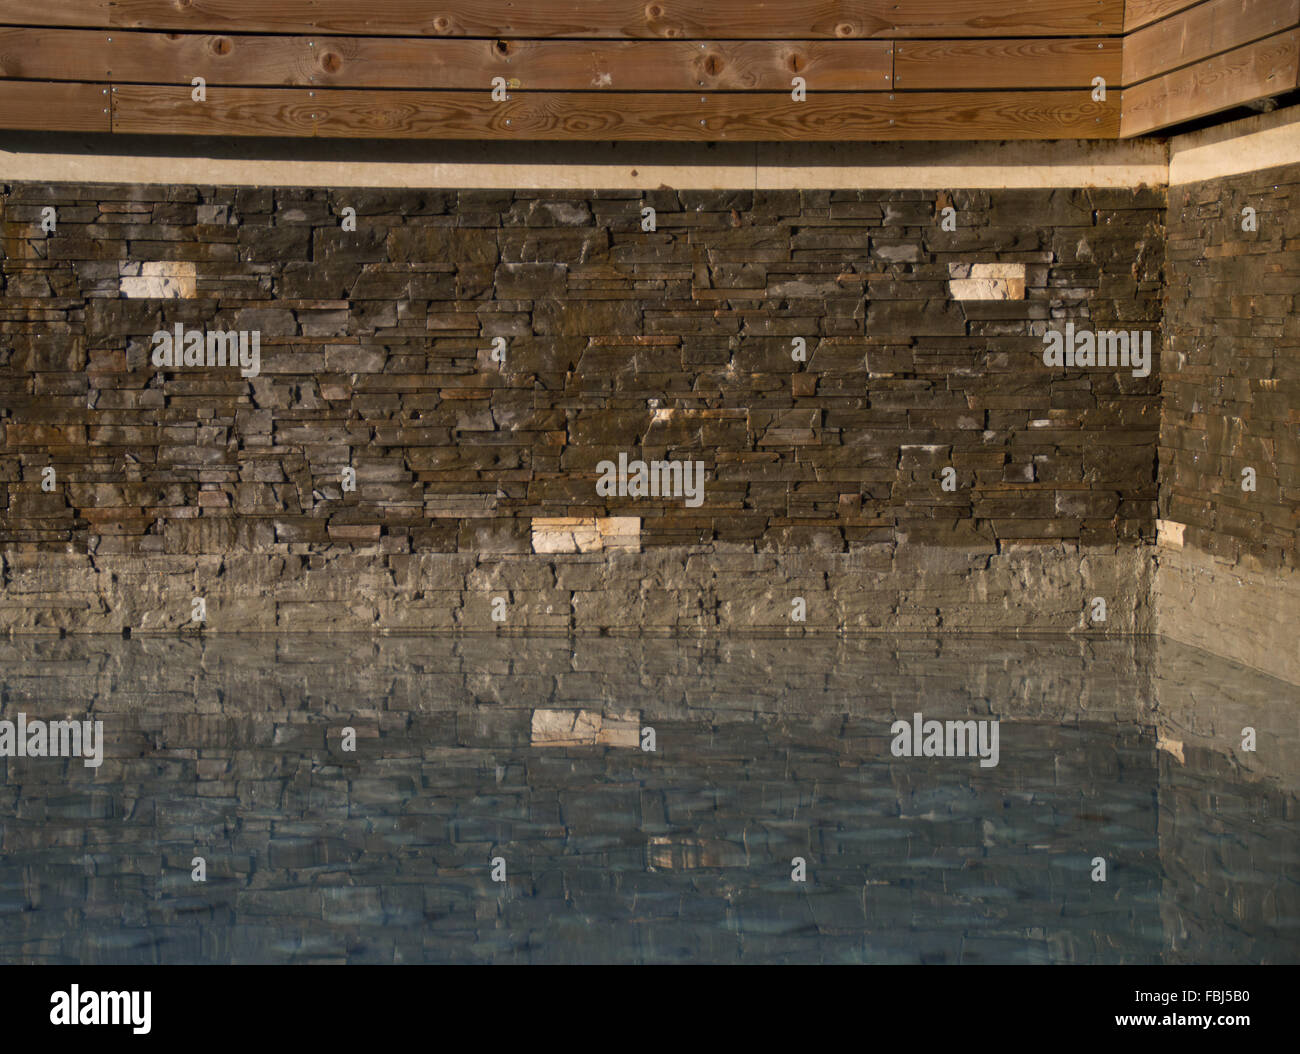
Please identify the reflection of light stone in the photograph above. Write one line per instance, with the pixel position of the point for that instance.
(162, 280)
(665, 853)
(556, 728)
(1172, 746)
(986, 281)
(585, 728)
(622, 731)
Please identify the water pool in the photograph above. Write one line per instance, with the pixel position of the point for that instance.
(523, 756)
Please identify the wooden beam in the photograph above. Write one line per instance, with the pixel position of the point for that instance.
(54, 12)
(54, 54)
(394, 62)
(1257, 71)
(613, 19)
(754, 116)
(1005, 115)
(571, 65)
(1139, 13)
(986, 18)
(1026, 63)
(54, 107)
(1199, 32)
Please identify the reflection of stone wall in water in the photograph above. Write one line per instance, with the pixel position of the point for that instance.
(766, 750)
(1220, 872)
(670, 345)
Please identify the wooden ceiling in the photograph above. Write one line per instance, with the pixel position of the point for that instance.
(710, 70)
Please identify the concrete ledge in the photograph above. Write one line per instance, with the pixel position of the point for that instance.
(915, 588)
(1233, 611)
(1247, 145)
(48, 157)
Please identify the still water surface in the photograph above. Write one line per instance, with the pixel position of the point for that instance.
(527, 751)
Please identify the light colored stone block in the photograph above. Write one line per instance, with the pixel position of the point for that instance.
(158, 280)
(620, 532)
(987, 281)
(1169, 533)
(586, 534)
(557, 534)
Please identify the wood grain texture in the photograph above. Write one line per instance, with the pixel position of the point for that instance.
(1025, 63)
(1256, 71)
(1207, 29)
(54, 107)
(613, 19)
(1139, 13)
(757, 116)
(54, 54)
(394, 62)
(571, 65)
(54, 12)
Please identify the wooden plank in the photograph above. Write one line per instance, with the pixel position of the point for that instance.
(54, 107)
(388, 62)
(1268, 67)
(154, 109)
(54, 54)
(988, 18)
(1006, 115)
(1025, 63)
(1199, 32)
(1139, 13)
(612, 19)
(54, 12)
(755, 116)
(571, 65)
